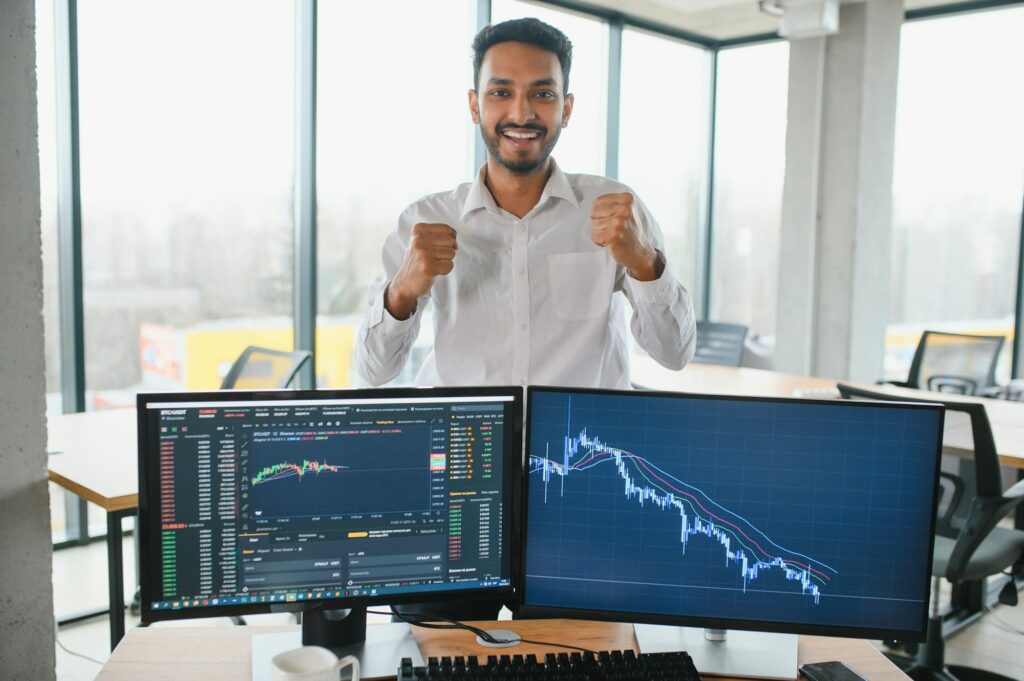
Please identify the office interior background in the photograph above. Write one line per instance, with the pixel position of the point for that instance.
(219, 174)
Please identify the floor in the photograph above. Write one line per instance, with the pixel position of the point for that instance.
(79, 578)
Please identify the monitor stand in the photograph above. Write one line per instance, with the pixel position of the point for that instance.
(743, 654)
(380, 647)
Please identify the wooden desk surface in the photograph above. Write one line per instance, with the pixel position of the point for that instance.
(94, 455)
(722, 380)
(224, 653)
(1006, 418)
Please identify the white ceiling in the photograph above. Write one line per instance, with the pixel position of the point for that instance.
(717, 19)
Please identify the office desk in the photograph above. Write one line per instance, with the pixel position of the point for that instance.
(722, 380)
(1006, 419)
(223, 653)
(95, 456)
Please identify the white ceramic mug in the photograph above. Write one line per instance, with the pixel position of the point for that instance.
(311, 663)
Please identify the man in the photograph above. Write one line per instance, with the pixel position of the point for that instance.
(523, 265)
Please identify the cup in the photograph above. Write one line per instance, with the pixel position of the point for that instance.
(311, 663)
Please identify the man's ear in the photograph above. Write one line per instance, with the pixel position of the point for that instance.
(474, 107)
(567, 109)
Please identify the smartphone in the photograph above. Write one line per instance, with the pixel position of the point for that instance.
(830, 671)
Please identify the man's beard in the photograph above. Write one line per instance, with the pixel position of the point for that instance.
(525, 166)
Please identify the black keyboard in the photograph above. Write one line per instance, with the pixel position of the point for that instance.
(615, 665)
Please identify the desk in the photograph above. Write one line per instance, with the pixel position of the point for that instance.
(95, 456)
(223, 653)
(722, 380)
(1006, 419)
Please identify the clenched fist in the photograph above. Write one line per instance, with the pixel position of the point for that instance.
(614, 226)
(431, 253)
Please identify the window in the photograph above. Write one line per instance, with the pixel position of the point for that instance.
(186, 162)
(581, 147)
(958, 180)
(393, 126)
(663, 139)
(46, 94)
(750, 162)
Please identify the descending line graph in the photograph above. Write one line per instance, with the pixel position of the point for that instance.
(285, 469)
(745, 546)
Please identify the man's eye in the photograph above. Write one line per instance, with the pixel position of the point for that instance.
(499, 93)
(546, 94)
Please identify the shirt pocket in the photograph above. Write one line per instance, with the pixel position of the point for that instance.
(581, 286)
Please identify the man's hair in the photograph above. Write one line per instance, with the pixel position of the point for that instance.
(531, 31)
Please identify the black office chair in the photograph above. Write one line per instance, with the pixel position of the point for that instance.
(265, 368)
(720, 343)
(956, 363)
(968, 545)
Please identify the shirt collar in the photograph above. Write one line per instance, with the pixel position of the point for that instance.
(480, 197)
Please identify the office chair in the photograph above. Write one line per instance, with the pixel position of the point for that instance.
(956, 363)
(968, 545)
(260, 367)
(720, 343)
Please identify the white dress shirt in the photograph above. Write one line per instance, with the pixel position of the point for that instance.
(529, 300)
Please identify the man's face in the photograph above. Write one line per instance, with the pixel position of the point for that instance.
(520, 106)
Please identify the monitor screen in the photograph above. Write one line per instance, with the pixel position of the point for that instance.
(251, 500)
(782, 515)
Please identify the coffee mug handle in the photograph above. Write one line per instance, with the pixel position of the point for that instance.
(346, 661)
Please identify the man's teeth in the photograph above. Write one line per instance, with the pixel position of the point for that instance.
(515, 134)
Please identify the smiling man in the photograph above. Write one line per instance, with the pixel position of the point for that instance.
(528, 267)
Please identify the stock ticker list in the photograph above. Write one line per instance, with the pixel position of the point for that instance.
(297, 501)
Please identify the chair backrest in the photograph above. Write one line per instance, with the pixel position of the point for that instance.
(984, 500)
(955, 362)
(265, 368)
(720, 343)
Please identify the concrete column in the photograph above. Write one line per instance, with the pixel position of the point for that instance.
(832, 308)
(26, 569)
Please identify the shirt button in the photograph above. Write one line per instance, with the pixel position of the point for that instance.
(522, 327)
(522, 270)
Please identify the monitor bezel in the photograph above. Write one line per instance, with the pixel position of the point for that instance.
(527, 610)
(149, 500)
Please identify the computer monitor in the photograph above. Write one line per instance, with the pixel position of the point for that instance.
(755, 514)
(254, 502)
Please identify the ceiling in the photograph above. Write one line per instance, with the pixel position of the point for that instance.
(716, 19)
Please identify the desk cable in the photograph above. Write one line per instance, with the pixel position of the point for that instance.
(56, 637)
(428, 622)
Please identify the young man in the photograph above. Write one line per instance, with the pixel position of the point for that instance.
(523, 265)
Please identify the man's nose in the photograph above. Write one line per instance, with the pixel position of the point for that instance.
(522, 110)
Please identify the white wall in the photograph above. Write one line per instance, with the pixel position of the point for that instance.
(26, 593)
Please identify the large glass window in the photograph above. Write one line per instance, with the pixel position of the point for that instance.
(46, 95)
(581, 148)
(663, 138)
(958, 179)
(393, 125)
(750, 161)
(186, 165)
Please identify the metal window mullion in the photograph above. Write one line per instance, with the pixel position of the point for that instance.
(611, 159)
(483, 18)
(1017, 362)
(305, 304)
(69, 242)
(705, 242)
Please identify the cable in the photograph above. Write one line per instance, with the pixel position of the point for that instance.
(484, 635)
(1003, 624)
(71, 652)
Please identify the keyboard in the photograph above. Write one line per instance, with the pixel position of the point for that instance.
(613, 665)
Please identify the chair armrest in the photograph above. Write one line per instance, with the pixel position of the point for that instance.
(1016, 491)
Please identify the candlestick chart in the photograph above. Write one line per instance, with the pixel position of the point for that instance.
(729, 508)
(340, 472)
